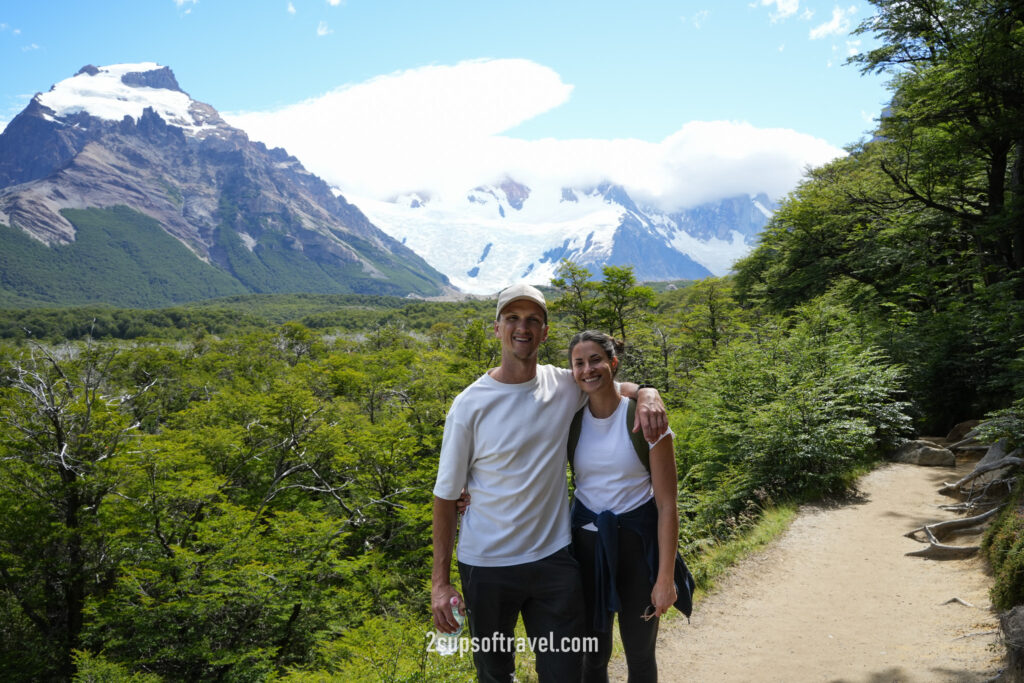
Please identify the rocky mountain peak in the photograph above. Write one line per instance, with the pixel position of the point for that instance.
(161, 79)
(127, 136)
(111, 93)
(515, 193)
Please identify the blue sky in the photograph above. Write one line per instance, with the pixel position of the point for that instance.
(554, 70)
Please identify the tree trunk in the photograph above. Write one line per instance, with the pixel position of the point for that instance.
(74, 588)
(1017, 212)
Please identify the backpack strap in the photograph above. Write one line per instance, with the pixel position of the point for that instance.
(640, 445)
(574, 433)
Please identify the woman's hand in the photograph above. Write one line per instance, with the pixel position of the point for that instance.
(462, 503)
(663, 596)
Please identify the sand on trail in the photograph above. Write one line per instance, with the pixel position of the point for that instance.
(835, 598)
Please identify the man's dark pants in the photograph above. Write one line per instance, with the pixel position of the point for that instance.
(548, 593)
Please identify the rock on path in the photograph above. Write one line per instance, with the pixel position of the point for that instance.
(836, 599)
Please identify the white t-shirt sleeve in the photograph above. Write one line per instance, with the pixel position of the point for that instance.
(568, 383)
(667, 432)
(453, 465)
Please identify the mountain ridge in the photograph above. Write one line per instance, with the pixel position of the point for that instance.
(507, 232)
(128, 136)
(206, 184)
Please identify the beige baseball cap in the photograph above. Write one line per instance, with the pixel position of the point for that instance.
(518, 292)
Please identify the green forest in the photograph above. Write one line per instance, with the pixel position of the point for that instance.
(240, 489)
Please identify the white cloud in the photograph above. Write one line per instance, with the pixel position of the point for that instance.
(334, 3)
(439, 129)
(699, 18)
(783, 8)
(322, 29)
(291, 8)
(29, 48)
(838, 25)
(852, 47)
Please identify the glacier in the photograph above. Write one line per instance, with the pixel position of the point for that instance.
(494, 236)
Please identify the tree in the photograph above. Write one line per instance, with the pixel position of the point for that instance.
(955, 128)
(622, 302)
(710, 317)
(578, 298)
(64, 431)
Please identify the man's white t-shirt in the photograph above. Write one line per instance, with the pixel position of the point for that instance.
(505, 443)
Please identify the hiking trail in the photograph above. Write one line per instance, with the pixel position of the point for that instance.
(835, 598)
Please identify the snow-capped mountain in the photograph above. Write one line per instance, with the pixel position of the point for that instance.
(507, 232)
(243, 218)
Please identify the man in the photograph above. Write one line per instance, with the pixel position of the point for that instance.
(504, 441)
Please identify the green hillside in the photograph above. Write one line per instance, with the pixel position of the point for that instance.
(119, 256)
(124, 258)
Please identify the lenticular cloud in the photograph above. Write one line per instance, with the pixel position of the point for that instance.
(438, 129)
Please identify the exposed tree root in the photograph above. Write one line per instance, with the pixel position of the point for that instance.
(940, 530)
(969, 506)
(979, 633)
(955, 488)
(959, 601)
(940, 551)
(968, 447)
(979, 495)
(969, 440)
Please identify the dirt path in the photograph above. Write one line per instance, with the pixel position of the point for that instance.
(836, 599)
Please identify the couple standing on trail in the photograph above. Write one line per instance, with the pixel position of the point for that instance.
(505, 443)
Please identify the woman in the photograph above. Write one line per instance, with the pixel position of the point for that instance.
(625, 529)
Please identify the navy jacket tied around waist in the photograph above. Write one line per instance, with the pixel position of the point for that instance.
(643, 521)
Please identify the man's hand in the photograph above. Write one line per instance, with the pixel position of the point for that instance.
(650, 414)
(441, 588)
(441, 606)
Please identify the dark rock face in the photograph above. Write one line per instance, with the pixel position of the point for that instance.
(642, 238)
(194, 182)
(515, 193)
(650, 257)
(158, 78)
(32, 147)
(719, 219)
